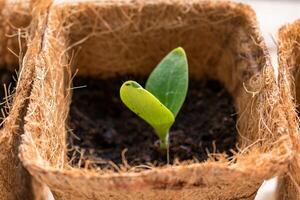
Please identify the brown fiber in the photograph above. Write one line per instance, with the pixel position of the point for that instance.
(14, 19)
(106, 38)
(289, 61)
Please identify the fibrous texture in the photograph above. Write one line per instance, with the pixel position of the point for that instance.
(108, 38)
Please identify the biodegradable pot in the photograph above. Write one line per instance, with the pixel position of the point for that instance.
(289, 65)
(289, 54)
(14, 19)
(14, 179)
(129, 37)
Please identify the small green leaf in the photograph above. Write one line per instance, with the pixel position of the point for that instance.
(149, 108)
(169, 80)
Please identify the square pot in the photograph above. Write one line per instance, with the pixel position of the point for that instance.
(289, 65)
(14, 19)
(129, 37)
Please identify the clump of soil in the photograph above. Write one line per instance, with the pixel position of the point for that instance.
(102, 127)
(7, 85)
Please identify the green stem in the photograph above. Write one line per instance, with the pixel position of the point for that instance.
(163, 134)
(164, 142)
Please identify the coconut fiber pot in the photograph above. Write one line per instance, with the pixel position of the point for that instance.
(104, 39)
(14, 20)
(289, 62)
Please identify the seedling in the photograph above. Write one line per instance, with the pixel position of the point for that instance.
(166, 88)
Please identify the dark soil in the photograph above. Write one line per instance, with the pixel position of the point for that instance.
(102, 127)
(6, 81)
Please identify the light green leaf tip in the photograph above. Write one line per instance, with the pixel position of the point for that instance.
(169, 80)
(149, 108)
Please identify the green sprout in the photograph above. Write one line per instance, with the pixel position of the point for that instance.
(166, 88)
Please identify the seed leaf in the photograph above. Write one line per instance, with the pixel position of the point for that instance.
(169, 80)
(148, 107)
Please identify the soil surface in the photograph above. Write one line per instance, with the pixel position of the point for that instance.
(101, 127)
(6, 81)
